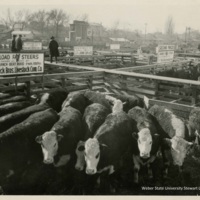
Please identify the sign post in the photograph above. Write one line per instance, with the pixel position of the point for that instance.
(21, 63)
(165, 53)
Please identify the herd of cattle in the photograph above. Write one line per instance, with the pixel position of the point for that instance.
(85, 142)
(189, 72)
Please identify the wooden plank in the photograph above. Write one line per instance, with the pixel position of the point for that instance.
(133, 89)
(182, 111)
(176, 106)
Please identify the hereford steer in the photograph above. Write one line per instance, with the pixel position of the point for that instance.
(13, 99)
(60, 142)
(109, 144)
(173, 131)
(96, 97)
(94, 116)
(194, 124)
(11, 119)
(54, 98)
(13, 106)
(17, 146)
(148, 141)
(129, 101)
(76, 100)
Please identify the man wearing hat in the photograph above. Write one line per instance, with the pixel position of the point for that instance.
(13, 45)
(19, 43)
(53, 47)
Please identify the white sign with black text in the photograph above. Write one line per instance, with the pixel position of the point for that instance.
(83, 50)
(165, 53)
(165, 56)
(32, 45)
(114, 46)
(21, 63)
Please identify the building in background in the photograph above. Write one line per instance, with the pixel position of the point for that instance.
(95, 30)
(78, 30)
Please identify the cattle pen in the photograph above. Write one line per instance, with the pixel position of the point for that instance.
(179, 94)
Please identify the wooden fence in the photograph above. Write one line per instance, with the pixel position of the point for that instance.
(181, 93)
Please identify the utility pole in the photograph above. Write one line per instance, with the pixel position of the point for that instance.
(189, 34)
(145, 31)
(185, 34)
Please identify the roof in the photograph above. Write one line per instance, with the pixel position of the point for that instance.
(119, 39)
(21, 32)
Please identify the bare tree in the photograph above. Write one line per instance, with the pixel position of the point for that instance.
(169, 26)
(38, 21)
(83, 17)
(23, 17)
(9, 20)
(115, 27)
(57, 18)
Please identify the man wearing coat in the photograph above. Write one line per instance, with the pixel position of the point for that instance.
(53, 47)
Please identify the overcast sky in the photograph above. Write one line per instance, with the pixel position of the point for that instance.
(132, 14)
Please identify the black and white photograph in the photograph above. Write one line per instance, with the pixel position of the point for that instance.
(100, 98)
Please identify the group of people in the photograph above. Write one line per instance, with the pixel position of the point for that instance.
(16, 43)
(53, 46)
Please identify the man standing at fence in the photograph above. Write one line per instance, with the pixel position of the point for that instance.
(53, 48)
(13, 45)
(19, 43)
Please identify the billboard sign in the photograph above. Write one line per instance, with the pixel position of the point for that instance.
(32, 46)
(165, 56)
(114, 46)
(83, 50)
(165, 53)
(21, 63)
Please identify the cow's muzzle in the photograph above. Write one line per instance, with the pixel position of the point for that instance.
(91, 171)
(48, 161)
(145, 155)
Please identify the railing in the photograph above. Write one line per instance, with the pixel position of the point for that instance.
(177, 92)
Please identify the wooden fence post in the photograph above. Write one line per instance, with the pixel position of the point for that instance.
(156, 88)
(90, 82)
(63, 83)
(28, 89)
(194, 95)
(16, 80)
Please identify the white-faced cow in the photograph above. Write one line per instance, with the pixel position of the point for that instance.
(194, 124)
(148, 141)
(59, 144)
(129, 101)
(173, 131)
(12, 107)
(18, 148)
(94, 116)
(96, 97)
(109, 143)
(76, 100)
(16, 117)
(54, 98)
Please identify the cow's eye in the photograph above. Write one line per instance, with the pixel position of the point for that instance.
(139, 141)
(54, 145)
(97, 156)
(150, 143)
